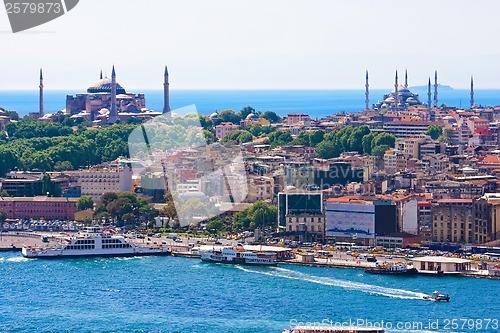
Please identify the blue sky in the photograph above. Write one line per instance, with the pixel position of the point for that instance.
(258, 44)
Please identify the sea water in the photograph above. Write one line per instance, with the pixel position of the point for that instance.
(316, 103)
(175, 294)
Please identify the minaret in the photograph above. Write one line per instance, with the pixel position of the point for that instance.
(100, 78)
(396, 95)
(113, 114)
(429, 94)
(166, 92)
(471, 92)
(367, 94)
(406, 78)
(40, 110)
(435, 89)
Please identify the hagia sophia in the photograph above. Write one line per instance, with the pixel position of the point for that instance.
(106, 101)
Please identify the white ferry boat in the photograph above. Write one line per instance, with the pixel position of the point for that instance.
(93, 242)
(237, 255)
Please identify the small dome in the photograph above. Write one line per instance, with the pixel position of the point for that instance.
(103, 111)
(214, 115)
(251, 116)
(104, 86)
(390, 100)
(411, 100)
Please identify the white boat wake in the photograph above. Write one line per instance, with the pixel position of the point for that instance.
(349, 285)
(17, 259)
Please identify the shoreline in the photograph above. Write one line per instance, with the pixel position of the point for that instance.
(14, 243)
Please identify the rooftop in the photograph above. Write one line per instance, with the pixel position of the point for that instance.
(441, 260)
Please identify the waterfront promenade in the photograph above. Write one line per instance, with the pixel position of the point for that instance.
(14, 241)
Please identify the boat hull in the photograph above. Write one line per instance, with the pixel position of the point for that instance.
(238, 262)
(408, 272)
(96, 255)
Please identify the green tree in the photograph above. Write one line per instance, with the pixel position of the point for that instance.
(434, 131)
(328, 149)
(384, 139)
(258, 215)
(85, 202)
(215, 224)
(272, 117)
(238, 136)
(63, 165)
(380, 150)
(246, 111)
(356, 138)
(11, 114)
(366, 143)
(258, 129)
(228, 116)
(280, 138)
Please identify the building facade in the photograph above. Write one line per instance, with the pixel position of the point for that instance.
(39, 207)
(453, 221)
(98, 180)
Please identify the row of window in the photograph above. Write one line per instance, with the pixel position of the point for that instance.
(111, 241)
(85, 241)
(80, 247)
(116, 246)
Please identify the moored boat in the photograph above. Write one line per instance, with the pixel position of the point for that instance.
(237, 255)
(397, 268)
(93, 242)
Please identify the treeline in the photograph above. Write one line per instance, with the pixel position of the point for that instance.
(358, 139)
(63, 150)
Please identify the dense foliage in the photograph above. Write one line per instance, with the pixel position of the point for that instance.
(57, 147)
(125, 209)
(358, 139)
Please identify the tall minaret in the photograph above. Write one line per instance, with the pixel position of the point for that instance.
(166, 92)
(100, 78)
(429, 94)
(471, 92)
(367, 93)
(113, 114)
(406, 78)
(396, 95)
(40, 109)
(435, 89)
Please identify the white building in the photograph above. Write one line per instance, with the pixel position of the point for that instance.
(115, 177)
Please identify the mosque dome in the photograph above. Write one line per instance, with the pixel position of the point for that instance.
(251, 116)
(411, 101)
(389, 100)
(104, 86)
(214, 115)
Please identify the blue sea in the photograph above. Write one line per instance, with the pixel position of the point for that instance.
(174, 294)
(316, 103)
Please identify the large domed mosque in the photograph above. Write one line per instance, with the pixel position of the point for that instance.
(106, 101)
(400, 98)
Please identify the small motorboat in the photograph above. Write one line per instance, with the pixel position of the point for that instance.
(437, 297)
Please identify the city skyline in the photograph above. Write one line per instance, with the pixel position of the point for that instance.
(258, 45)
